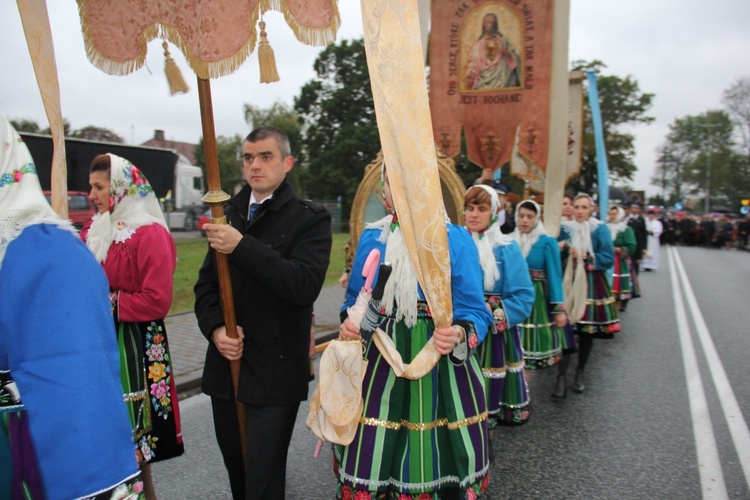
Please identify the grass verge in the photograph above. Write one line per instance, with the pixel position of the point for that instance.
(190, 255)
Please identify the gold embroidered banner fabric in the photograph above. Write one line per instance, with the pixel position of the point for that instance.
(491, 73)
(215, 36)
(397, 72)
(36, 28)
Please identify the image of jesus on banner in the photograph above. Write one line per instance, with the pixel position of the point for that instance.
(492, 63)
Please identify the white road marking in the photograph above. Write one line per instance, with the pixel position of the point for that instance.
(709, 464)
(732, 412)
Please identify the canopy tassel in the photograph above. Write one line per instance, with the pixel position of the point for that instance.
(266, 58)
(176, 82)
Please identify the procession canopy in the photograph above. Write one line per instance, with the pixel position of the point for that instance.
(215, 37)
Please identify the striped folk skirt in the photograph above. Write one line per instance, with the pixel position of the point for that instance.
(417, 439)
(541, 340)
(600, 319)
(622, 283)
(502, 359)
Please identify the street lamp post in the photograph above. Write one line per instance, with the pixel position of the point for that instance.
(709, 128)
(708, 173)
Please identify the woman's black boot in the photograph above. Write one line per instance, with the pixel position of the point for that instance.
(579, 386)
(562, 377)
(561, 388)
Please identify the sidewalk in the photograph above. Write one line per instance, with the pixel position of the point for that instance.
(187, 344)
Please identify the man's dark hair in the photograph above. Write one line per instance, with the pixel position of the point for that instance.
(282, 140)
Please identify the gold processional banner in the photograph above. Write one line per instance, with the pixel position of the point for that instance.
(397, 73)
(491, 73)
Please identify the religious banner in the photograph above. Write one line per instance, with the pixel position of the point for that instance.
(491, 74)
(575, 125)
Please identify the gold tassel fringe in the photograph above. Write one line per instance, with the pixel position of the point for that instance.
(177, 83)
(266, 58)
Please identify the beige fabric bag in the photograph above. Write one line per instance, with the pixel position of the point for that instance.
(336, 404)
(576, 289)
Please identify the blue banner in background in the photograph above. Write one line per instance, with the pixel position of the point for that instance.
(601, 153)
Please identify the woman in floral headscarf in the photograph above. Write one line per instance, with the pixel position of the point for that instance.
(64, 430)
(129, 236)
(509, 295)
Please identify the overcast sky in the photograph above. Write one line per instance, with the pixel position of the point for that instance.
(687, 52)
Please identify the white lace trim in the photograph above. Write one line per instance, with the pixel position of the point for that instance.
(122, 232)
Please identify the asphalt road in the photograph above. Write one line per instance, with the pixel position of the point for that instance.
(643, 428)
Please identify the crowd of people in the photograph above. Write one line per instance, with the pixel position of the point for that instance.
(543, 301)
(521, 300)
(84, 351)
(713, 230)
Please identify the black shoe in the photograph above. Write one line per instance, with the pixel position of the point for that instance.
(578, 385)
(561, 388)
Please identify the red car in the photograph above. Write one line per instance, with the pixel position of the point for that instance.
(80, 208)
(204, 218)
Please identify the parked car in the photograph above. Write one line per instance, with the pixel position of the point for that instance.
(80, 208)
(204, 218)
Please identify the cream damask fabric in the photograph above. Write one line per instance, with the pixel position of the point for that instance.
(397, 72)
(36, 28)
(420, 366)
(336, 403)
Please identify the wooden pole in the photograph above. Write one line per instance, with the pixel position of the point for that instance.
(216, 199)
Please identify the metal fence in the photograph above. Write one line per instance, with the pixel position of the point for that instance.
(334, 208)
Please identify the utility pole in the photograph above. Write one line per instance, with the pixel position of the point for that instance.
(709, 128)
(708, 172)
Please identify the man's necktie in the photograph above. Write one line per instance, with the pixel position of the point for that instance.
(252, 210)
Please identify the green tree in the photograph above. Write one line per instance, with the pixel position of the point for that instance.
(25, 125)
(340, 134)
(673, 159)
(283, 117)
(67, 129)
(699, 158)
(228, 152)
(621, 102)
(737, 101)
(712, 172)
(92, 133)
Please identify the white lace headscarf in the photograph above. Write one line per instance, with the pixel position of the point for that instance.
(575, 282)
(527, 240)
(132, 204)
(619, 225)
(402, 288)
(580, 232)
(22, 202)
(487, 240)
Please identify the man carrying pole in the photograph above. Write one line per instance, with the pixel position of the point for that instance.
(278, 247)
